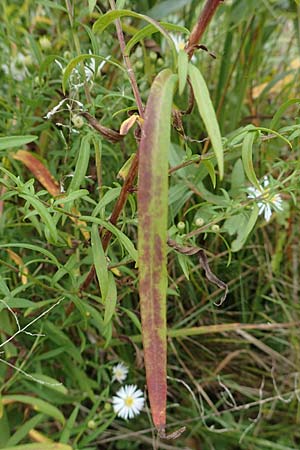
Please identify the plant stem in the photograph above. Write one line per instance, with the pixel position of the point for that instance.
(127, 62)
(128, 183)
(201, 25)
(70, 10)
(115, 215)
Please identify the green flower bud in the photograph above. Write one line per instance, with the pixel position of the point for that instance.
(107, 407)
(153, 56)
(91, 424)
(139, 64)
(199, 221)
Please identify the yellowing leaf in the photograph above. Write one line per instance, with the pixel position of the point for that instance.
(127, 124)
(38, 169)
(20, 263)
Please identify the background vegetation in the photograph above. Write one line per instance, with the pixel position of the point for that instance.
(233, 369)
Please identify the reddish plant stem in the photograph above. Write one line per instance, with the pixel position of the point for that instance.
(127, 186)
(203, 21)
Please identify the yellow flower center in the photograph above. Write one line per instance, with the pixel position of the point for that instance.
(266, 194)
(129, 402)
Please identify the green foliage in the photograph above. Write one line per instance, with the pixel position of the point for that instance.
(219, 161)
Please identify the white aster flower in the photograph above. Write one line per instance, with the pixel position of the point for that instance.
(266, 200)
(120, 372)
(128, 401)
(178, 41)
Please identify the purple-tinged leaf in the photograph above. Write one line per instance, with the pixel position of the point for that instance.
(152, 239)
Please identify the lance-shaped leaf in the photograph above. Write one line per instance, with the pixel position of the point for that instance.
(208, 114)
(152, 238)
(15, 141)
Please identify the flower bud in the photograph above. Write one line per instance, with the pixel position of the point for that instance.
(199, 221)
(91, 424)
(77, 121)
(153, 56)
(107, 407)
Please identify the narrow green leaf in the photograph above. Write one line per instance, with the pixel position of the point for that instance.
(237, 177)
(35, 248)
(75, 195)
(152, 238)
(107, 198)
(4, 429)
(111, 299)
(104, 21)
(78, 59)
(281, 110)
(100, 261)
(247, 158)
(37, 404)
(208, 114)
(147, 31)
(24, 429)
(81, 164)
(15, 141)
(92, 4)
(66, 432)
(122, 238)
(61, 339)
(183, 62)
(43, 213)
(184, 265)
(211, 171)
(133, 317)
(244, 231)
(280, 136)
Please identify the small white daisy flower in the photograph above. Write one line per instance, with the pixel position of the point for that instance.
(120, 372)
(178, 41)
(267, 200)
(128, 401)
